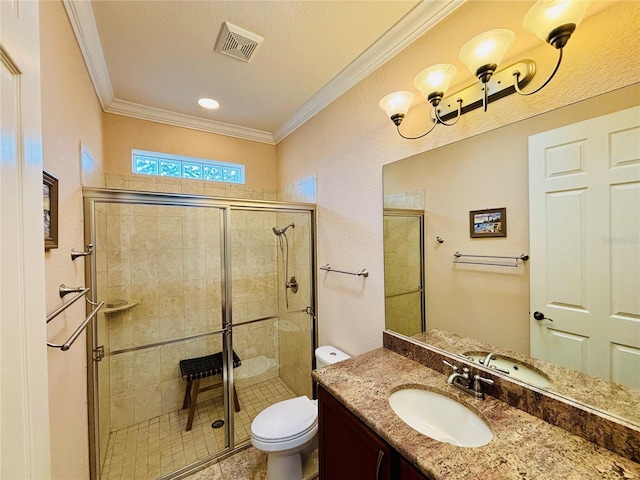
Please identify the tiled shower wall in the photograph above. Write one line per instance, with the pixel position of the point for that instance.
(255, 295)
(411, 200)
(402, 274)
(166, 260)
(295, 330)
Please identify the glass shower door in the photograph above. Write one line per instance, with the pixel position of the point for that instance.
(272, 327)
(404, 271)
(160, 269)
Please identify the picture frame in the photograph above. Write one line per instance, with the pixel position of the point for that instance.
(490, 222)
(50, 210)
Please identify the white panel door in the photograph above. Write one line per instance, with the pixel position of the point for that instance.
(584, 188)
(24, 406)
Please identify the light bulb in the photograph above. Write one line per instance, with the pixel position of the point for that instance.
(484, 52)
(554, 21)
(396, 105)
(434, 81)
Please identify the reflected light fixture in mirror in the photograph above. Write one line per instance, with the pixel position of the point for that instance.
(553, 21)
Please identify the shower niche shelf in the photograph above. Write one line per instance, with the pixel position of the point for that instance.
(120, 308)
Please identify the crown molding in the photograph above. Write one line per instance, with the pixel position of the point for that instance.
(153, 114)
(85, 29)
(418, 21)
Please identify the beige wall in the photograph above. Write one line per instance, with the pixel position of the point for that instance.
(71, 114)
(347, 144)
(121, 134)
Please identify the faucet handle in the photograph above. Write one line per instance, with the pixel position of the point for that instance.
(477, 385)
(478, 378)
(450, 365)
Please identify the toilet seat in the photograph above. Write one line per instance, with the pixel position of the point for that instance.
(286, 425)
(285, 420)
(311, 429)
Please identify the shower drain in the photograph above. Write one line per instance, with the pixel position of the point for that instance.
(217, 424)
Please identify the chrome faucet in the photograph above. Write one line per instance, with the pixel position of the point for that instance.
(490, 356)
(477, 385)
(457, 378)
(464, 382)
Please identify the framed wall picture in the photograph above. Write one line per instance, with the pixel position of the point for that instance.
(50, 205)
(491, 222)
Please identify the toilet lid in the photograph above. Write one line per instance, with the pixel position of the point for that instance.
(286, 419)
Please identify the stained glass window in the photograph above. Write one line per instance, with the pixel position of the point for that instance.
(167, 165)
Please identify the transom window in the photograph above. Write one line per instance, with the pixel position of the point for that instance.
(177, 166)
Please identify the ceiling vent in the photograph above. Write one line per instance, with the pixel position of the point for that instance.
(237, 42)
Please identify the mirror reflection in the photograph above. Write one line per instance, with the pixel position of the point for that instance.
(486, 311)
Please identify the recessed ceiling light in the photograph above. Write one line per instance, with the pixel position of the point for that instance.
(209, 103)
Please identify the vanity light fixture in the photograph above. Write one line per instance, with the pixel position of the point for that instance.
(553, 21)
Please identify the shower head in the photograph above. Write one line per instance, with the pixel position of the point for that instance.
(280, 231)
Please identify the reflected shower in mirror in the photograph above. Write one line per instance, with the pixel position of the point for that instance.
(404, 270)
(491, 305)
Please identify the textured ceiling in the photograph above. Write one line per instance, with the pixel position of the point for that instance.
(161, 53)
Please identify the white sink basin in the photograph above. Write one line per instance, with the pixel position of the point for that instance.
(512, 367)
(440, 417)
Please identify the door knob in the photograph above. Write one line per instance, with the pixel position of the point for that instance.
(540, 316)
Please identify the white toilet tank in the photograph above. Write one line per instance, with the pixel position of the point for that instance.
(329, 355)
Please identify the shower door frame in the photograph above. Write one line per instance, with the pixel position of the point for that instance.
(420, 215)
(93, 196)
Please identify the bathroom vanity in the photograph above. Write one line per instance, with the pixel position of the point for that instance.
(350, 449)
(358, 427)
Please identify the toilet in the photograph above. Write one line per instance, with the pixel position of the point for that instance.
(286, 429)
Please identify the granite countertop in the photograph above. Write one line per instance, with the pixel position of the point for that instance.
(523, 448)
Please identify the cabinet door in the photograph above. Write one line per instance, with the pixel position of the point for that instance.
(406, 471)
(348, 450)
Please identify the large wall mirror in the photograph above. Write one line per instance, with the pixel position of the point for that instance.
(463, 306)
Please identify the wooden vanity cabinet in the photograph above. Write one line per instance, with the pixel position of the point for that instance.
(406, 471)
(349, 450)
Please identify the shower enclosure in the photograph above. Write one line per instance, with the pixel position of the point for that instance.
(185, 277)
(404, 271)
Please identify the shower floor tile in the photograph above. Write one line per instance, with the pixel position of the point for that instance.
(161, 445)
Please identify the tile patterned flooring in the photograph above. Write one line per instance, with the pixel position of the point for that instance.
(161, 445)
(251, 464)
